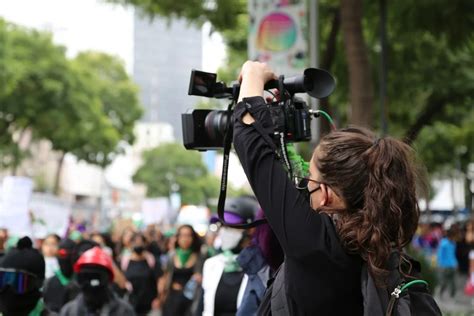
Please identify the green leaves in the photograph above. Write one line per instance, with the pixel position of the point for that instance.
(83, 106)
(171, 164)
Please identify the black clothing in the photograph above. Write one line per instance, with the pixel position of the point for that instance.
(182, 275)
(56, 295)
(115, 307)
(143, 279)
(225, 303)
(320, 274)
(176, 303)
(155, 250)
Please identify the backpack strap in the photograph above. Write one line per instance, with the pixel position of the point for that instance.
(400, 289)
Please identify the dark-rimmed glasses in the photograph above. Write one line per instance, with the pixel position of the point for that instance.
(302, 183)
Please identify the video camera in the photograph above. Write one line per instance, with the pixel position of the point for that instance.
(291, 116)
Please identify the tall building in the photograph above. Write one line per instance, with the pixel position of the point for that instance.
(164, 54)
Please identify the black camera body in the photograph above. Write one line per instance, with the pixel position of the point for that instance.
(291, 116)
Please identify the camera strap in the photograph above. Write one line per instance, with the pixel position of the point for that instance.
(225, 169)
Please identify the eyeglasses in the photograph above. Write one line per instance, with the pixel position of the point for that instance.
(302, 184)
(19, 281)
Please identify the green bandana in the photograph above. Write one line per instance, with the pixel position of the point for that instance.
(183, 255)
(38, 308)
(231, 264)
(64, 280)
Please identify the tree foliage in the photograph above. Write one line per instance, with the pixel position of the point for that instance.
(171, 164)
(84, 106)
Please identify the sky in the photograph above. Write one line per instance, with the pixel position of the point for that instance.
(94, 25)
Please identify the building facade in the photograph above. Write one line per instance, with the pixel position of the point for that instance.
(164, 54)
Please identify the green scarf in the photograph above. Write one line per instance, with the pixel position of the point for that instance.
(64, 280)
(183, 255)
(38, 308)
(231, 264)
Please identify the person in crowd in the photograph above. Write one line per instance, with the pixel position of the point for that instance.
(259, 261)
(142, 271)
(224, 281)
(183, 272)
(61, 288)
(353, 210)
(153, 237)
(447, 262)
(49, 249)
(120, 281)
(22, 272)
(99, 238)
(3, 241)
(94, 276)
(124, 246)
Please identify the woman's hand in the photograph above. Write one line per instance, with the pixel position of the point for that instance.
(256, 71)
(253, 77)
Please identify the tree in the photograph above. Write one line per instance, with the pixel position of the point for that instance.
(430, 65)
(33, 74)
(360, 79)
(85, 106)
(171, 164)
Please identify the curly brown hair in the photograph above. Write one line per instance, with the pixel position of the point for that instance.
(378, 179)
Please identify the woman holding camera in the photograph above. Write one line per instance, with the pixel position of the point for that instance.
(360, 204)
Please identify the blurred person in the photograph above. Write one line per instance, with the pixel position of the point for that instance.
(224, 281)
(183, 271)
(124, 246)
(99, 238)
(120, 281)
(210, 247)
(22, 272)
(142, 271)
(95, 274)
(3, 241)
(259, 261)
(447, 262)
(49, 249)
(154, 238)
(62, 288)
(350, 214)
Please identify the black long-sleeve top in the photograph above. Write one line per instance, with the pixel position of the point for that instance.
(321, 277)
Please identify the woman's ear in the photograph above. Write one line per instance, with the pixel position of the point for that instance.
(324, 195)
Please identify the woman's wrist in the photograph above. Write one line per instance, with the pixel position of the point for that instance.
(251, 86)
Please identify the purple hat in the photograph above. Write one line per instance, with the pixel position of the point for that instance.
(229, 217)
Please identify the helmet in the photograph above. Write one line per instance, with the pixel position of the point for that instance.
(95, 256)
(240, 210)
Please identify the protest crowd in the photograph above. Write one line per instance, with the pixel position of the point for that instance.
(174, 271)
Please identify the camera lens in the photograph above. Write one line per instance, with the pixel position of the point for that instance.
(216, 124)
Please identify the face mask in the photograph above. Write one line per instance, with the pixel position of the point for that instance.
(138, 249)
(18, 304)
(94, 287)
(95, 297)
(229, 237)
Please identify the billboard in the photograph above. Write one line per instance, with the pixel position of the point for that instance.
(278, 34)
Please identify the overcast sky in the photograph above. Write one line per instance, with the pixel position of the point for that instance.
(92, 24)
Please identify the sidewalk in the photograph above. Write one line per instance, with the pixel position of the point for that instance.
(460, 305)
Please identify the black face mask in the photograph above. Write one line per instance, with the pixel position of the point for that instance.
(94, 287)
(95, 297)
(18, 304)
(138, 249)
